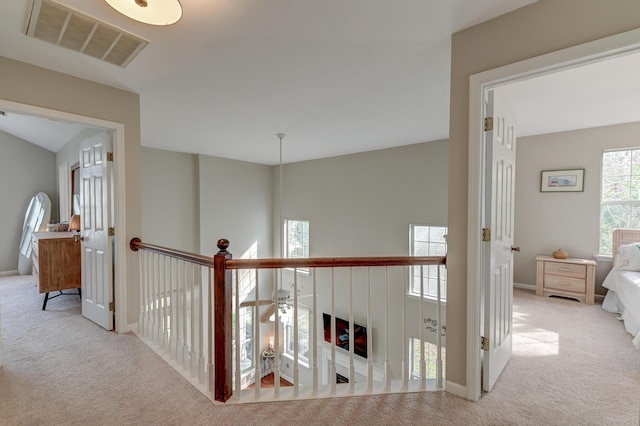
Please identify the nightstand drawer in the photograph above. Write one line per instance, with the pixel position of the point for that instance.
(565, 269)
(564, 283)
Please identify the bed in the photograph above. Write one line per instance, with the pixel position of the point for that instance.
(623, 282)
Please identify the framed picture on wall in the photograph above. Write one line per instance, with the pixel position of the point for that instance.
(570, 180)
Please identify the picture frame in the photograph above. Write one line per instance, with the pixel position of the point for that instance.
(567, 180)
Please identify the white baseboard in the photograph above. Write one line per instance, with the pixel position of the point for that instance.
(524, 286)
(456, 389)
(133, 328)
(6, 273)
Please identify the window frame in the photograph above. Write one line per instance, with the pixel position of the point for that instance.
(414, 361)
(288, 334)
(605, 233)
(247, 281)
(305, 247)
(414, 287)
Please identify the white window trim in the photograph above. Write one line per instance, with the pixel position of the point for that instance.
(416, 375)
(301, 271)
(429, 298)
(305, 362)
(603, 254)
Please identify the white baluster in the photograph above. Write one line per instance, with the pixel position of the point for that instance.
(332, 378)
(210, 375)
(178, 315)
(147, 298)
(185, 316)
(423, 364)
(192, 341)
(142, 281)
(236, 336)
(276, 336)
(439, 336)
(173, 293)
(156, 303)
(256, 338)
(369, 336)
(314, 336)
(165, 310)
(405, 337)
(352, 340)
(387, 348)
(201, 345)
(296, 344)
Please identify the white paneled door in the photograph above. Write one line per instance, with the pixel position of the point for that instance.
(97, 254)
(500, 138)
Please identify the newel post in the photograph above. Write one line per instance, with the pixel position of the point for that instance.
(222, 327)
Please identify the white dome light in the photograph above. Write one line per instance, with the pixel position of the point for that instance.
(154, 12)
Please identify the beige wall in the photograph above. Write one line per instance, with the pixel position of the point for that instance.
(25, 170)
(31, 85)
(534, 30)
(235, 203)
(362, 204)
(169, 199)
(571, 220)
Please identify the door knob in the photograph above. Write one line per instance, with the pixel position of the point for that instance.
(515, 249)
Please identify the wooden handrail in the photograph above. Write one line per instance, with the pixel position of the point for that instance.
(335, 262)
(136, 244)
(276, 263)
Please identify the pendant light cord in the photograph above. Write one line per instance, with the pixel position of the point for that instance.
(281, 225)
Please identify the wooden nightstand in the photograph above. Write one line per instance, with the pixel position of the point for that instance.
(573, 278)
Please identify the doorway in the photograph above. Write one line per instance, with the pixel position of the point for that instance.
(118, 207)
(480, 84)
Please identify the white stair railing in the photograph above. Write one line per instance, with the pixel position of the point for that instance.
(177, 316)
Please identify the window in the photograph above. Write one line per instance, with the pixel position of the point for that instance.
(296, 240)
(246, 284)
(245, 338)
(430, 357)
(620, 194)
(303, 334)
(428, 241)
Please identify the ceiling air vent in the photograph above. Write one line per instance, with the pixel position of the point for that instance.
(54, 23)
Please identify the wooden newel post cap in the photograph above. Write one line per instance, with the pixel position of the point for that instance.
(133, 244)
(223, 245)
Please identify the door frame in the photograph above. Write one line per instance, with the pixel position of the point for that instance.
(121, 245)
(594, 51)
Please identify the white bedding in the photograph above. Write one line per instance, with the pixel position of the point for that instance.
(623, 298)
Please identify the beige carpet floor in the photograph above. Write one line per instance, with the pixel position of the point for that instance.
(572, 365)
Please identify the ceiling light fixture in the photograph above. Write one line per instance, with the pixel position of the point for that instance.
(153, 12)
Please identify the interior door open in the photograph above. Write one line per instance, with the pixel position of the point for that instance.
(500, 165)
(95, 215)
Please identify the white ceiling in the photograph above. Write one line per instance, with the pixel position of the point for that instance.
(337, 76)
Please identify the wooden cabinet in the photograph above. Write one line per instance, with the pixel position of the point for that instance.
(56, 261)
(573, 278)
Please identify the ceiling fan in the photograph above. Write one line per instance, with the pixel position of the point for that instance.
(280, 299)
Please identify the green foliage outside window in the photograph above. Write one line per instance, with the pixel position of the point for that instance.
(620, 196)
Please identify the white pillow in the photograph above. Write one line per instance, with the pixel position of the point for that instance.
(628, 257)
